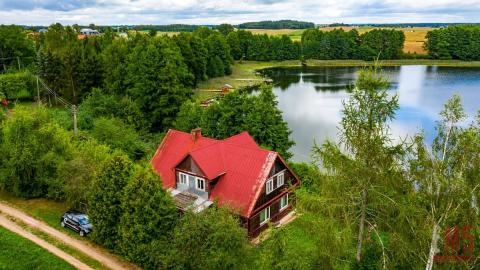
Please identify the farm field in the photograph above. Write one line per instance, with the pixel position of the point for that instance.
(414, 36)
(19, 253)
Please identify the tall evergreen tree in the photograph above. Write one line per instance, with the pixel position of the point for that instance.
(158, 78)
(148, 219)
(104, 204)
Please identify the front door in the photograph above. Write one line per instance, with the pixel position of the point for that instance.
(191, 183)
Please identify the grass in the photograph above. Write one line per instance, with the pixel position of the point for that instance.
(50, 212)
(45, 210)
(17, 253)
(61, 245)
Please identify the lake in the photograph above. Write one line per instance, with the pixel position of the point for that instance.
(311, 99)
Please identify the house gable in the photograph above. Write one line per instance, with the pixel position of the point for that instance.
(189, 165)
(289, 180)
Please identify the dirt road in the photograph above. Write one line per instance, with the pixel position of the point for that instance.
(102, 256)
(12, 226)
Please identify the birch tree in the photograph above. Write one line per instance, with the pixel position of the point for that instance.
(362, 171)
(446, 174)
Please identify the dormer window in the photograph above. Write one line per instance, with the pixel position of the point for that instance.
(200, 184)
(182, 179)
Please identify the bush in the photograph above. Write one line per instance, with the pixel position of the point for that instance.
(115, 133)
(33, 149)
(17, 85)
(211, 239)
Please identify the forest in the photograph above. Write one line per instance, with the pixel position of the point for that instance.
(456, 42)
(366, 202)
(282, 24)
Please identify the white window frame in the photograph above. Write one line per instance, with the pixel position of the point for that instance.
(286, 203)
(267, 215)
(180, 174)
(280, 175)
(269, 186)
(197, 181)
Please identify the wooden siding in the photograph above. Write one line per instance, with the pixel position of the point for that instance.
(254, 227)
(189, 165)
(289, 180)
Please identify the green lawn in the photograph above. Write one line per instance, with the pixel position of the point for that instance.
(19, 253)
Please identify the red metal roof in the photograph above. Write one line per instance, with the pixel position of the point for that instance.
(241, 164)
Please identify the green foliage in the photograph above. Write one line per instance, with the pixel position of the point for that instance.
(114, 62)
(105, 198)
(381, 44)
(454, 42)
(238, 112)
(225, 28)
(245, 45)
(17, 85)
(15, 43)
(363, 172)
(33, 149)
(116, 134)
(194, 53)
(309, 174)
(158, 78)
(98, 104)
(78, 173)
(335, 44)
(338, 44)
(149, 216)
(282, 24)
(219, 58)
(211, 239)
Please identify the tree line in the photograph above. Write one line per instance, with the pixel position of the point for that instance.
(460, 42)
(282, 24)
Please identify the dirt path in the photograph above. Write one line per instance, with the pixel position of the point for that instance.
(12, 226)
(105, 258)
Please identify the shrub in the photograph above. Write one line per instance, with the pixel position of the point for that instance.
(17, 85)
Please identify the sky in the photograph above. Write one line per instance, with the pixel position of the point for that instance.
(127, 12)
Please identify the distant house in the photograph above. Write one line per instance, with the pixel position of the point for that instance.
(235, 172)
(89, 32)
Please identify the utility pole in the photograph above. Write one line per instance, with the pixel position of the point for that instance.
(74, 110)
(38, 92)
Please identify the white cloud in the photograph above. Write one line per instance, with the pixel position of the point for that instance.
(235, 11)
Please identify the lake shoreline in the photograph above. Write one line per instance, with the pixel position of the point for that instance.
(245, 73)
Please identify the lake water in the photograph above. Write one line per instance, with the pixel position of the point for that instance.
(311, 99)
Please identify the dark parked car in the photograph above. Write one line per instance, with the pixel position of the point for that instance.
(76, 221)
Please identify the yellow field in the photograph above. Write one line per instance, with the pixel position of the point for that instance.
(414, 36)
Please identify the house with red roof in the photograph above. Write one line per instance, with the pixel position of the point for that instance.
(234, 172)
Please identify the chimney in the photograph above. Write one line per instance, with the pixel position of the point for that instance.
(196, 134)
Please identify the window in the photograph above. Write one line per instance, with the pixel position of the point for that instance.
(200, 184)
(284, 202)
(269, 186)
(264, 215)
(182, 178)
(280, 179)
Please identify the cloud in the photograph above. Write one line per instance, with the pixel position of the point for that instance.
(235, 11)
(53, 5)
